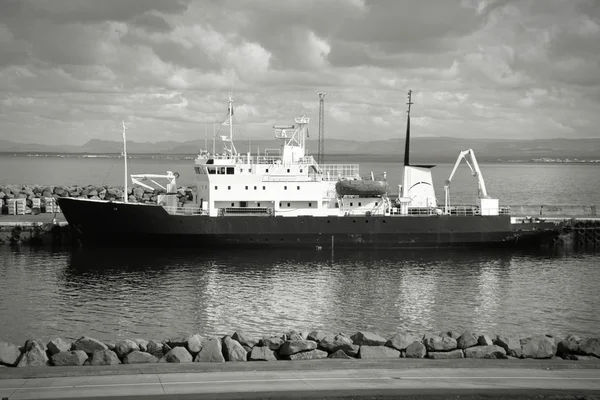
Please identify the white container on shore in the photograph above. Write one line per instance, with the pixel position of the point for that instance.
(16, 206)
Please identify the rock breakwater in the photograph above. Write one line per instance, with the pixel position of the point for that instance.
(134, 194)
(240, 347)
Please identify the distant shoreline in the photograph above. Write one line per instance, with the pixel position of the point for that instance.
(335, 156)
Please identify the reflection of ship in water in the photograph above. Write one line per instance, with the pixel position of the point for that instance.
(165, 261)
(161, 293)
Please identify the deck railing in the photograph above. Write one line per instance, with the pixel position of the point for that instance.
(454, 210)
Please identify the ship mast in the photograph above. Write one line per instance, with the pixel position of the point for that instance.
(407, 144)
(125, 196)
(230, 148)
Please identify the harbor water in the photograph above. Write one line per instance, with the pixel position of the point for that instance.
(157, 294)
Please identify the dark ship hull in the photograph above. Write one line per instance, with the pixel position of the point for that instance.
(138, 225)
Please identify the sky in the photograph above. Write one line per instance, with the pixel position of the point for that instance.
(71, 70)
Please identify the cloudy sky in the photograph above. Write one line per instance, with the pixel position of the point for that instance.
(71, 70)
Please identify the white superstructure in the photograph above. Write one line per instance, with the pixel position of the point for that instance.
(287, 182)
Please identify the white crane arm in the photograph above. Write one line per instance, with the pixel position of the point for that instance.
(475, 171)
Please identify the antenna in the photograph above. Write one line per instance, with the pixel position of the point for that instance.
(321, 152)
(407, 144)
(125, 194)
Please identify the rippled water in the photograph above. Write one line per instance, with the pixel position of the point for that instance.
(160, 294)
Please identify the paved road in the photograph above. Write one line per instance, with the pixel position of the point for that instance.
(339, 383)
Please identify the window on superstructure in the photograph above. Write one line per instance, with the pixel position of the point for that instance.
(279, 204)
(285, 188)
(350, 204)
(232, 204)
(310, 204)
(288, 204)
(264, 188)
(246, 187)
(267, 170)
(359, 204)
(376, 203)
(258, 204)
(297, 187)
(222, 171)
(197, 169)
(300, 169)
(288, 170)
(216, 187)
(254, 187)
(228, 187)
(211, 171)
(230, 171)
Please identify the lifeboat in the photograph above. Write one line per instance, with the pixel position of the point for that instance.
(363, 188)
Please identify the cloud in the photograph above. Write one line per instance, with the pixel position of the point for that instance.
(478, 68)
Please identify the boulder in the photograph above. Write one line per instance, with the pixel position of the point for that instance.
(262, 354)
(400, 341)
(273, 343)
(139, 357)
(590, 347)
(9, 354)
(466, 340)
(142, 344)
(233, 350)
(296, 346)
(416, 350)
(212, 351)
(485, 340)
(89, 345)
(58, 346)
(339, 342)
(29, 344)
(104, 357)
(178, 354)
(34, 357)
(445, 355)
(341, 354)
(308, 355)
(293, 336)
(124, 347)
(510, 344)
(178, 342)
(69, 358)
(244, 339)
(368, 339)
(157, 349)
(378, 351)
(439, 343)
(194, 343)
(318, 335)
(485, 352)
(538, 347)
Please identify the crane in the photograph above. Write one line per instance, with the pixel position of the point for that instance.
(475, 171)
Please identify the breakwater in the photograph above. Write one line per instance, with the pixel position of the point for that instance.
(30, 193)
(239, 347)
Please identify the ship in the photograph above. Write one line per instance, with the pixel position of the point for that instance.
(284, 198)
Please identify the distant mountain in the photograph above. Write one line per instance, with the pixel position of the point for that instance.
(423, 150)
